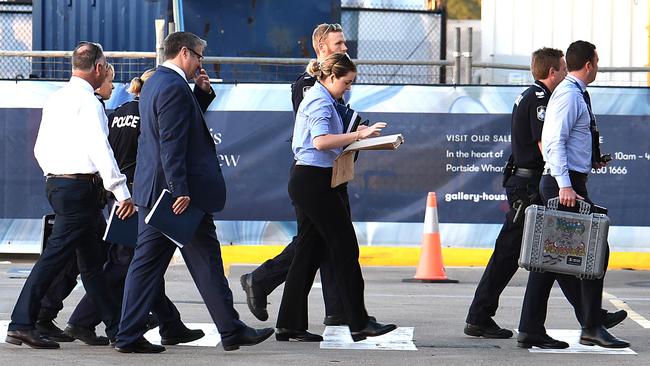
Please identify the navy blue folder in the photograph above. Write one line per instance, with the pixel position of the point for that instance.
(123, 232)
(351, 120)
(178, 228)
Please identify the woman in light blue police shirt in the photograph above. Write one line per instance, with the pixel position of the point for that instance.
(324, 223)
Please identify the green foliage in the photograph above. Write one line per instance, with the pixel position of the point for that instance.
(464, 9)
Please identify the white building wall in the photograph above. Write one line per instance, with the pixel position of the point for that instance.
(513, 29)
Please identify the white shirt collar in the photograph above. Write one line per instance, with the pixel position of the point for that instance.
(173, 66)
(82, 83)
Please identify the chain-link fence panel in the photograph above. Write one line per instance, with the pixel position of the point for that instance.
(396, 34)
(60, 67)
(15, 34)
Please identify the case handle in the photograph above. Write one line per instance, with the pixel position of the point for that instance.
(585, 208)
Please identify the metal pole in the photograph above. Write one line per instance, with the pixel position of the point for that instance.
(468, 57)
(160, 38)
(457, 58)
(443, 43)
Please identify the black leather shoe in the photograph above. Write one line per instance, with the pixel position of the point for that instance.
(611, 320)
(528, 340)
(372, 329)
(49, 330)
(183, 336)
(247, 336)
(87, 336)
(339, 319)
(335, 320)
(31, 338)
(285, 335)
(487, 331)
(600, 336)
(256, 300)
(140, 346)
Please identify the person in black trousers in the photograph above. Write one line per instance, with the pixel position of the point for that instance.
(326, 39)
(571, 148)
(521, 181)
(324, 222)
(66, 280)
(72, 150)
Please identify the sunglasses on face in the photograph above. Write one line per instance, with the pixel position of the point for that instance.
(334, 27)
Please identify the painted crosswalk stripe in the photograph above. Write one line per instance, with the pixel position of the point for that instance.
(211, 339)
(572, 337)
(631, 314)
(401, 339)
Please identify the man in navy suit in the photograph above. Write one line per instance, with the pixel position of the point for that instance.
(176, 152)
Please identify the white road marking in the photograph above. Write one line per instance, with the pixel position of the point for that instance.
(631, 314)
(572, 337)
(401, 339)
(211, 339)
(3, 330)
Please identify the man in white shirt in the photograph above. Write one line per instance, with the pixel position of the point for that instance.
(73, 151)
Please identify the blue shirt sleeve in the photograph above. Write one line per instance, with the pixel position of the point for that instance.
(561, 116)
(318, 117)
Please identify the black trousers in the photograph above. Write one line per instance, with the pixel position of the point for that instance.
(324, 229)
(588, 307)
(503, 263)
(272, 273)
(119, 257)
(77, 227)
(62, 285)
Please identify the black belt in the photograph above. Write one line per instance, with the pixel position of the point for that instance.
(527, 173)
(73, 176)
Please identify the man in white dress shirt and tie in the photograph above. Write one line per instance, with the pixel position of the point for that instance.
(73, 151)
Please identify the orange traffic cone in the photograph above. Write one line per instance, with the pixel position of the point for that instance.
(430, 268)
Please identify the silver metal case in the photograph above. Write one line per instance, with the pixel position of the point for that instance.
(564, 242)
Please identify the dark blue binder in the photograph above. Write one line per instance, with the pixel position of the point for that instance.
(351, 119)
(178, 228)
(122, 232)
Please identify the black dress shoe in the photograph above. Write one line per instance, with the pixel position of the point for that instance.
(88, 336)
(31, 338)
(247, 336)
(140, 346)
(611, 320)
(600, 336)
(256, 300)
(372, 329)
(528, 340)
(284, 335)
(339, 319)
(183, 336)
(49, 330)
(487, 331)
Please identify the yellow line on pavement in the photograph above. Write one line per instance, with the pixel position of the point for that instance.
(409, 256)
(631, 314)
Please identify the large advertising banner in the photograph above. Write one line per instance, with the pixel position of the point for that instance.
(457, 140)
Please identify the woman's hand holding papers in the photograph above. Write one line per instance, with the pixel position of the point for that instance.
(363, 132)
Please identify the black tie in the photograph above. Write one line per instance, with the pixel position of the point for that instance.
(595, 134)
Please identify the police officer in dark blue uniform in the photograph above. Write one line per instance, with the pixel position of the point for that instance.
(521, 181)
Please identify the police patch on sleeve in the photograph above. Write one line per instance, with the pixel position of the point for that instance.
(541, 112)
